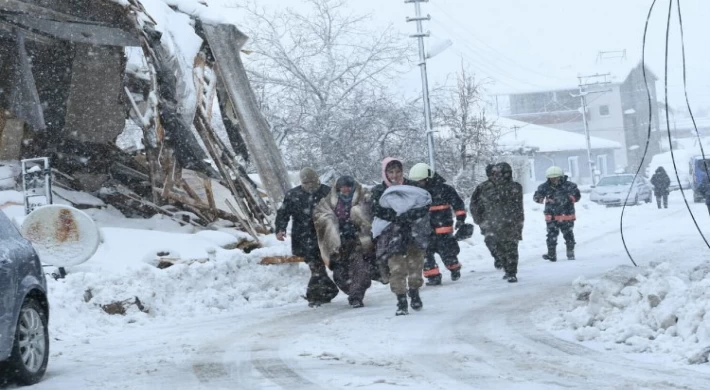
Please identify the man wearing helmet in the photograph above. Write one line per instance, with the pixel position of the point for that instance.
(559, 196)
(444, 199)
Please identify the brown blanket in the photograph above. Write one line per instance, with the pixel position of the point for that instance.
(327, 226)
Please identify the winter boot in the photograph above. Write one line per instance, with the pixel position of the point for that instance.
(434, 280)
(356, 303)
(551, 253)
(512, 278)
(416, 300)
(570, 251)
(456, 274)
(401, 305)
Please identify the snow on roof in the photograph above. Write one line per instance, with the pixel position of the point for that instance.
(209, 12)
(516, 134)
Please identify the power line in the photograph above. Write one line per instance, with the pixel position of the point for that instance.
(493, 68)
(648, 138)
(670, 141)
(491, 48)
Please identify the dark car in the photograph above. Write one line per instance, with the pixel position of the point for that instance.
(698, 172)
(24, 310)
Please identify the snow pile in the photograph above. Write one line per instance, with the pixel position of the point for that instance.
(205, 280)
(208, 276)
(648, 309)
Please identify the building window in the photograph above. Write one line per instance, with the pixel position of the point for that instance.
(602, 164)
(573, 167)
(604, 110)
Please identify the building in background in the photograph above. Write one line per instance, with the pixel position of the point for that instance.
(531, 149)
(617, 110)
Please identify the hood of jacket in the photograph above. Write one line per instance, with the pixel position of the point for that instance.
(386, 162)
(506, 172)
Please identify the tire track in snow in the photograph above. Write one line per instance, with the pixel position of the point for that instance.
(257, 349)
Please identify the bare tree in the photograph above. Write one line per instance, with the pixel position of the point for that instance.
(468, 139)
(323, 75)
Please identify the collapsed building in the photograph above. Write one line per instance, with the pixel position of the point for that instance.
(76, 75)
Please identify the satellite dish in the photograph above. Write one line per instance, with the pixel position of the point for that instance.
(62, 235)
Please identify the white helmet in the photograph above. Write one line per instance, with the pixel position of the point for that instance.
(420, 171)
(554, 171)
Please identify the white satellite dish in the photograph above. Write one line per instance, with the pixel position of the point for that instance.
(62, 235)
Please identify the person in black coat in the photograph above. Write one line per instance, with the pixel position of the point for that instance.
(498, 211)
(661, 182)
(559, 196)
(298, 205)
(476, 202)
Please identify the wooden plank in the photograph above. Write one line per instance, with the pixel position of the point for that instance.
(210, 194)
(270, 260)
(225, 41)
(168, 184)
(191, 192)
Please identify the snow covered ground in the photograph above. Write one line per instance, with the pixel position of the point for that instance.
(226, 322)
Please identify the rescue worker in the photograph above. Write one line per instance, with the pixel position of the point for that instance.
(559, 196)
(298, 205)
(476, 202)
(498, 211)
(444, 199)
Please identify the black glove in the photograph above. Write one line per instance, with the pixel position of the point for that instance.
(459, 223)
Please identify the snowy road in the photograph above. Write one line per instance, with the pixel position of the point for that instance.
(477, 333)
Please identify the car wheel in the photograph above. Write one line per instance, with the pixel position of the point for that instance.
(30, 351)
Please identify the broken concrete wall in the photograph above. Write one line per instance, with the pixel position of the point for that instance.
(96, 109)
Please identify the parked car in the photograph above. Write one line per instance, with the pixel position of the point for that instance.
(612, 190)
(24, 310)
(697, 174)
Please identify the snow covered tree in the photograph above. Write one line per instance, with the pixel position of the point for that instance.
(467, 139)
(323, 76)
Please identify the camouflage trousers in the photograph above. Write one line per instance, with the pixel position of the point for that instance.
(406, 270)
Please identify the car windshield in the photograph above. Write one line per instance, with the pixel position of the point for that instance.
(615, 181)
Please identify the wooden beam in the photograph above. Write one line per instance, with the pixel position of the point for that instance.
(208, 190)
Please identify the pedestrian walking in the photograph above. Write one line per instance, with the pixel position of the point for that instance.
(343, 222)
(476, 204)
(298, 206)
(661, 182)
(559, 195)
(401, 229)
(445, 204)
(499, 213)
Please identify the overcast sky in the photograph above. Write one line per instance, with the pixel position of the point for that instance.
(529, 44)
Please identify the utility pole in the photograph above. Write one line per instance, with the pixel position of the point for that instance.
(418, 18)
(583, 92)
